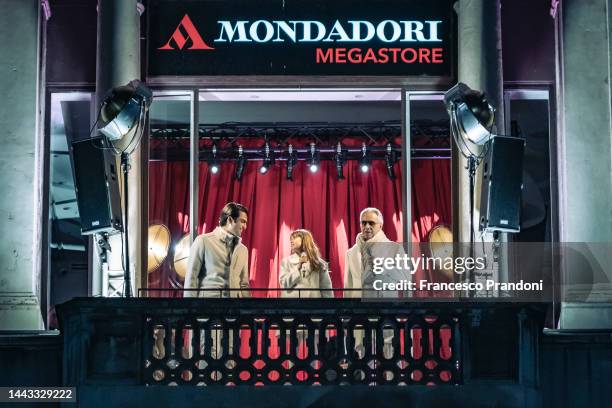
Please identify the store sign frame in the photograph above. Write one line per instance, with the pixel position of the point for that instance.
(297, 38)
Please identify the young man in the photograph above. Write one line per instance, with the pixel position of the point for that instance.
(218, 260)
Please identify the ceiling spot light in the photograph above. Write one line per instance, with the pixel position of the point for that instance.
(267, 163)
(364, 162)
(214, 163)
(390, 159)
(240, 163)
(291, 161)
(339, 161)
(313, 163)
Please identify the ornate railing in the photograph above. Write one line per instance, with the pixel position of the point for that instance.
(255, 341)
(288, 346)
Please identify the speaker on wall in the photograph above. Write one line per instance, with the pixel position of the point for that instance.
(97, 186)
(502, 184)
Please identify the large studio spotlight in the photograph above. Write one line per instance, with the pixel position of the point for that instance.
(470, 113)
(121, 122)
(268, 160)
(240, 163)
(313, 162)
(291, 162)
(364, 162)
(339, 161)
(214, 163)
(122, 114)
(390, 159)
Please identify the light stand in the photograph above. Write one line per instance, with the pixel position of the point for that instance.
(472, 164)
(122, 116)
(127, 278)
(471, 119)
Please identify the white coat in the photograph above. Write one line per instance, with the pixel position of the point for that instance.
(293, 276)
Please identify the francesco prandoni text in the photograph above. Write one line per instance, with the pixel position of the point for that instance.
(459, 265)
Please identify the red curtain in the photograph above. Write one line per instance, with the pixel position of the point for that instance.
(319, 202)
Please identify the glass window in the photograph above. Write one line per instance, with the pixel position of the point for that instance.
(169, 190)
(430, 187)
(69, 119)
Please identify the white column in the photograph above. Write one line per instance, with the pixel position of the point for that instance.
(20, 167)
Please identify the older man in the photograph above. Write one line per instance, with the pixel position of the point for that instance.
(371, 242)
(218, 260)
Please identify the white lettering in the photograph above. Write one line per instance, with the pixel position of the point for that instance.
(291, 32)
(380, 31)
(370, 30)
(254, 31)
(307, 35)
(226, 27)
(433, 31)
(337, 30)
(387, 31)
(413, 27)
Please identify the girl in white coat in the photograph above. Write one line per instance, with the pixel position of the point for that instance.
(304, 269)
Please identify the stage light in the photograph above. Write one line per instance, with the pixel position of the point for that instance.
(121, 121)
(267, 163)
(470, 113)
(390, 161)
(339, 160)
(214, 163)
(364, 162)
(291, 161)
(123, 109)
(313, 162)
(240, 163)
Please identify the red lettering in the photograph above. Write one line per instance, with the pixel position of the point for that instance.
(354, 56)
(383, 57)
(409, 60)
(394, 51)
(370, 56)
(436, 55)
(325, 57)
(340, 55)
(197, 43)
(424, 55)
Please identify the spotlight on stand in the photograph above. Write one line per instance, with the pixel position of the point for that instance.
(470, 113)
(268, 160)
(122, 114)
(214, 163)
(121, 122)
(291, 161)
(240, 163)
(339, 160)
(364, 162)
(313, 163)
(390, 159)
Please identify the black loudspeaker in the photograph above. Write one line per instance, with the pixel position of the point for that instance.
(97, 187)
(502, 184)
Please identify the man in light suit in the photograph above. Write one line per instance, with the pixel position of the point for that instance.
(371, 242)
(218, 260)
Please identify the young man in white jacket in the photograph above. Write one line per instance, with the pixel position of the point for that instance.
(218, 260)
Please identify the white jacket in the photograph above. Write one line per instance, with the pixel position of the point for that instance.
(212, 250)
(353, 273)
(352, 264)
(292, 276)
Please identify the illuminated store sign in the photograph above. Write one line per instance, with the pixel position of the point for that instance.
(198, 38)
